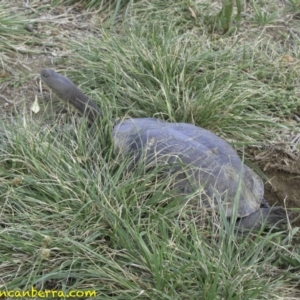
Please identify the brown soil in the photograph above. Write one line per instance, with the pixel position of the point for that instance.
(280, 164)
(18, 95)
(283, 188)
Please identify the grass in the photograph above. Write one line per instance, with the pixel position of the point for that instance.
(162, 73)
(262, 17)
(73, 224)
(75, 217)
(12, 32)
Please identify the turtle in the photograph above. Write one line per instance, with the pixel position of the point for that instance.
(201, 162)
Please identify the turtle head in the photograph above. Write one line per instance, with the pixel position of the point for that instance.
(60, 84)
(69, 92)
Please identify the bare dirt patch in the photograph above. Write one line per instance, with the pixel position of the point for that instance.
(283, 188)
(49, 31)
(280, 162)
(21, 88)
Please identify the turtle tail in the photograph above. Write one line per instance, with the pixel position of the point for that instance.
(267, 216)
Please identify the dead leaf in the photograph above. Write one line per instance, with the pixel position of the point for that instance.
(192, 13)
(35, 106)
(17, 181)
(266, 167)
(287, 58)
(4, 73)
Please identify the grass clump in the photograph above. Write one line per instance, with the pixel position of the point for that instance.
(14, 38)
(162, 73)
(111, 11)
(262, 17)
(223, 20)
(73, 219)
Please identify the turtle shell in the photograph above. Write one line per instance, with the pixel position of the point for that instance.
(201, 160)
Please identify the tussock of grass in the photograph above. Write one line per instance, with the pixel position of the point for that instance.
(154, 72)
(71, 223)
(109, 10)
(14, 37)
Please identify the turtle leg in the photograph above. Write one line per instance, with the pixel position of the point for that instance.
(269, 216)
